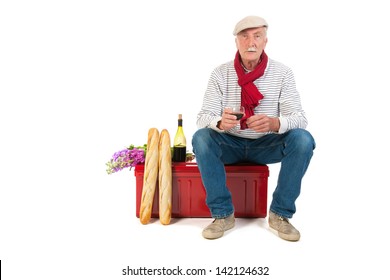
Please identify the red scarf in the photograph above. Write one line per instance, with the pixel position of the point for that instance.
(250, 94)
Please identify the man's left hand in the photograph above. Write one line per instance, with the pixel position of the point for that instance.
(263, 123)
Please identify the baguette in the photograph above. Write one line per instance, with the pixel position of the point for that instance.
(150, 176)
(165, 178)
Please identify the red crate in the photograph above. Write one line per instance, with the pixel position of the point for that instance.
(247, 184)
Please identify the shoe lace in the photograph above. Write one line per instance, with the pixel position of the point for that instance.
(283, 219)
(218, 221)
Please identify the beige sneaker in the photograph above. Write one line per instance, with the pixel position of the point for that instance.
(285, 230)
(218, 227)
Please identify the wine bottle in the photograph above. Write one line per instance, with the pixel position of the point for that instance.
(179, 143)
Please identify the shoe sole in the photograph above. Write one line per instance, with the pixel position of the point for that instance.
(292, 238)
(218, 235)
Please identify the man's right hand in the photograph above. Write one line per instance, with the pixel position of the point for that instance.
(228, 120)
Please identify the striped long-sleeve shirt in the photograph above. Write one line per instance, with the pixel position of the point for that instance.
(277, 85)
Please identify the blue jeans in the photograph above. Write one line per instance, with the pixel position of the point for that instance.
(213, 150)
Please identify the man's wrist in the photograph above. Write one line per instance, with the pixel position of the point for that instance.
(276, 124)
(219, 125)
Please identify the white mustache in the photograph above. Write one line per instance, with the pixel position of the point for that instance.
(251, 49)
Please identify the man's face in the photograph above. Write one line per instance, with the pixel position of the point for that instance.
(251, 43)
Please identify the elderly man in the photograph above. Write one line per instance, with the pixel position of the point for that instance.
(271, 131)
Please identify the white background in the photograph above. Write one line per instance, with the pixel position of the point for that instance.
(80, 80)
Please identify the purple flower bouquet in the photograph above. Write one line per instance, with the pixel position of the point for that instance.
(125, 158)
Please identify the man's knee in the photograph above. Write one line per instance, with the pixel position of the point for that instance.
(201, 140)
(302, 139)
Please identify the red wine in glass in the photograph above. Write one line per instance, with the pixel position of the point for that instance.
(238, 115)
(238, 111)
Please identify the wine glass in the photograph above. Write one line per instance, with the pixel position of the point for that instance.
(237, 110)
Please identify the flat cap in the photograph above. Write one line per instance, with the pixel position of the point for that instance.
(249, 22)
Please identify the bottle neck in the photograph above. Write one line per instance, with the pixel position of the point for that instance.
(180, 122)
